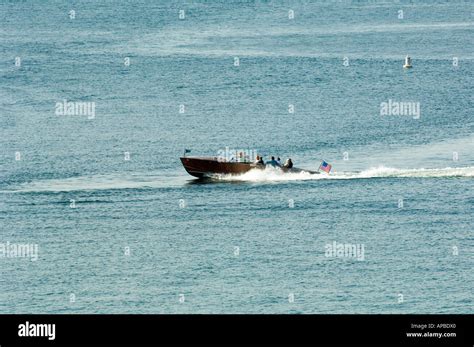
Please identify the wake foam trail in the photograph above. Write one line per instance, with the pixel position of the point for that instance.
(423, 173)
(275, 175)
(150, 180)
(99, 182)
(268, 174)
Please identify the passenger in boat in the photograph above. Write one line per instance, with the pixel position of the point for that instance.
(288, 163)
(260, 161)
(272, 162)
(279, 161)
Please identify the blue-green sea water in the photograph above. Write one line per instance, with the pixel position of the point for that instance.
(299, 79)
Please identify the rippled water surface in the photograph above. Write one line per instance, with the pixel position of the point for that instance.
(145, 237)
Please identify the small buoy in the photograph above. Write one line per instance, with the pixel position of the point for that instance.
(407, 63)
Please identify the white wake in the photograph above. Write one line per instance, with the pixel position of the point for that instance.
(99, 182)
(271, 174)
(149, 180)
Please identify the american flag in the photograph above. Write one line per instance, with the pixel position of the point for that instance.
(325, 167)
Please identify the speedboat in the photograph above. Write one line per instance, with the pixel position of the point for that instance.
(211, 166)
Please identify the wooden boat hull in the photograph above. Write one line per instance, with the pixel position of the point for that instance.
(206, 167)
(210, 166)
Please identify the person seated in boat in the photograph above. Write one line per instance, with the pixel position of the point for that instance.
(288, 163)
(272, 162)
(279, 161)
(259, 161)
